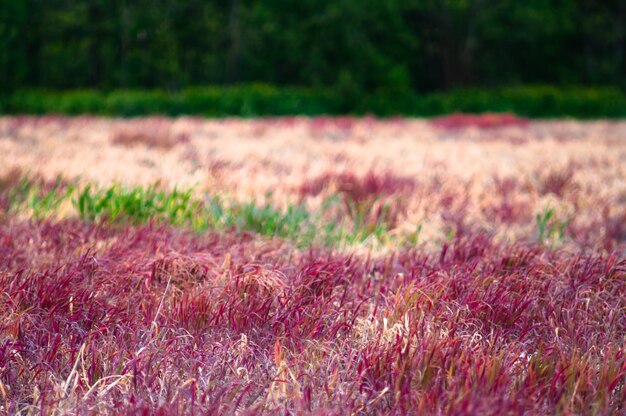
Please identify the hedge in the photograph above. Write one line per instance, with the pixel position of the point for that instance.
(265, 100)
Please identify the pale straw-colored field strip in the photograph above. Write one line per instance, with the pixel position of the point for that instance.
(502, 176)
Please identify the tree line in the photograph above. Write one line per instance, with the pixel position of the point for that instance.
(352, 45)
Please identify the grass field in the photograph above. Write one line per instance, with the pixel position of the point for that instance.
(464, 265)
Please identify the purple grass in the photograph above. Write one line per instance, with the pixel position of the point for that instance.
(373, 198)
(155, 320)
(481, 121)
(151, 132)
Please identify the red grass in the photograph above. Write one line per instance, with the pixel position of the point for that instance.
(358, 188)
(373, 197)
(503, 206)
(482, 121)
(152, 132)
(558, 181)
(98, 319)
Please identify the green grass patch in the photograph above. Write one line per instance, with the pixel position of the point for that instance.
(139, 205)
(36, 197)
(550, 228)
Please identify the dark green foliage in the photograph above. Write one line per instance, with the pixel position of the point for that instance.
(263, 100)
(246, 101)
(350, 45)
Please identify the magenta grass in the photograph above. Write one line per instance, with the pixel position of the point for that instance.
(481, 121)
(155, 320)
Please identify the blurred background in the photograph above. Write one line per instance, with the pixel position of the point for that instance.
(325, 56)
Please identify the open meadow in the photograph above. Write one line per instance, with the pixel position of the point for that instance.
(463, 265)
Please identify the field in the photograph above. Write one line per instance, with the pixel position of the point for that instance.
(463, 265)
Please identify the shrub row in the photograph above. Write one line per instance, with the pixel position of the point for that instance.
(264, 100)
